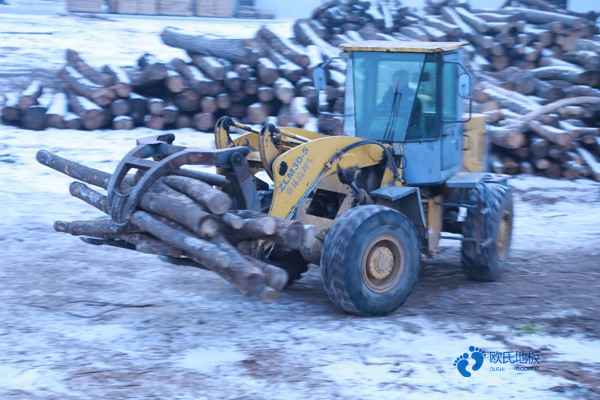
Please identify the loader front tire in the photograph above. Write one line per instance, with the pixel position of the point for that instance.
(370, 260)
(488, 230)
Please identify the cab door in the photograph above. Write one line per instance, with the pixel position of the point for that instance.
(452, 111)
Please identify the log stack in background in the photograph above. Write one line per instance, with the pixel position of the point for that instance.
(525, 56)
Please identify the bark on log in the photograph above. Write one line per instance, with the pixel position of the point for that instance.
(92, 116)
(284, 46)
(90, 196)
(211, 66)
(72, 121)
(121, 83)
(30, 95)
(99, 78)
(224, 261)
(11, 114)
(234, 50)
(204, 122)
(123, 122)
(57, 111)
(34, 118)
(73, 169)
(210, 198)
(81, 86)
(100, 228)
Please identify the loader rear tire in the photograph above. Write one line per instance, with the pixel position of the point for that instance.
(370, 260)
(490, 222)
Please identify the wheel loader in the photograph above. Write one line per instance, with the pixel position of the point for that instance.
(408, 171)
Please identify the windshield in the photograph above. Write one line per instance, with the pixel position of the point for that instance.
(385, 85)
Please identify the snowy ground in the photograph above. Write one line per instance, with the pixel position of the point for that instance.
(90, 322)
(35, 35)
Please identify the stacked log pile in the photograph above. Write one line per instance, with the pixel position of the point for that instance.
(187, 221)
(525, 56)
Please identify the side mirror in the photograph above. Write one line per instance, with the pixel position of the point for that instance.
(464, 85)
(320, 78)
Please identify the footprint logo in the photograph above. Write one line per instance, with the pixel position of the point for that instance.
(477, 356)
(461, 363)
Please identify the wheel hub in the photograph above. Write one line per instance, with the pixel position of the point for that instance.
(383, 264)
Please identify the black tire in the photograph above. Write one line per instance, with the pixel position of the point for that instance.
(351, 243)
(490, 222)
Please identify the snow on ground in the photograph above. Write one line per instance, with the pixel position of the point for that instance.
(38, 41)
(68, 331)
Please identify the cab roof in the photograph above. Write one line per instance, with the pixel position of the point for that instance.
(401, 47)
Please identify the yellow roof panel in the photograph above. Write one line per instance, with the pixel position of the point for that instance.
(401, 47)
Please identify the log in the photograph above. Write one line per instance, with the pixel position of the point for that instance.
(208, 197)
(305, 33)
(184, 121)
(204, 122)
(81, 86)
(551, 133)
(233, 82)
(224, 261)
(551, 107)
(11, 114)
(100, 228)
(179, 208)
(34, 118)
(123, 122)
(156, 106)
(591, 162)
(99, 78)
(187, 101)
(137, 105)
(300, 114)
(57, 111)
(147, 244)
(121, 84)
(244, 71)
(92, 116)
(154, 122)
(546, 17)
(286, 68)
(284, 46)
(284, 90)
(90, 196)
(73, 169)
(30, 95)
(211, 66)
(505, 137)
(174, 81)
(266, 71)
(194, 77)
(120, 107)
(251, 86)
(170, 114)
(72, 121)
(234, 50)
(257, 113)
(223, 101)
